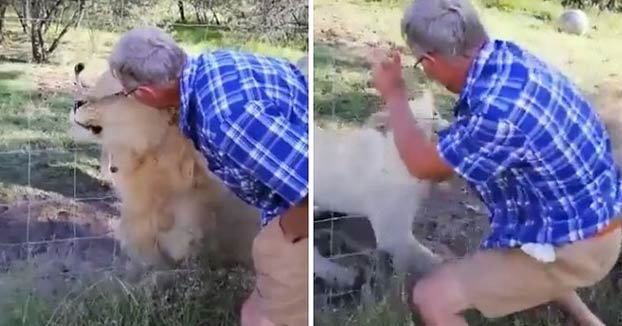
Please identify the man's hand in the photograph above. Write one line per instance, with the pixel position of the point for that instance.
(387, 75)
(295, 221)
(420, 155)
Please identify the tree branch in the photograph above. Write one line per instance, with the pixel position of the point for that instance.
(72, 21)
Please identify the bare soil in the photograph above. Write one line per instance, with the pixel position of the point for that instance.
(58, 240)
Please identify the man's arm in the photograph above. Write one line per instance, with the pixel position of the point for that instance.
(419, 154)
(295, 221)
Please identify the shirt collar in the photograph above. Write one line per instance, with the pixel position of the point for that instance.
(186, 90)
(474, 73)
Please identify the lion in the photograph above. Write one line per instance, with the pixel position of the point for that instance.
(172, 207)
(358, 171)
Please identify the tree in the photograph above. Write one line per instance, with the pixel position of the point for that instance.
(205, 8)
(278, 19)
(3, 7)
(182, 15)
(275, 20)
(37, 16)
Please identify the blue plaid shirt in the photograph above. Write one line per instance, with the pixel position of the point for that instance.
(248, 115)
(534, 149)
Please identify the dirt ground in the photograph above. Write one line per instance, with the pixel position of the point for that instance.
(450, 223)
(58, 241)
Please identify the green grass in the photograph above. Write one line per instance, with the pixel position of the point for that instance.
(341, 30)
(39, 160)
(341, 73)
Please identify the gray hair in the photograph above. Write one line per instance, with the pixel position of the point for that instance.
(146, 56)
(447, 27)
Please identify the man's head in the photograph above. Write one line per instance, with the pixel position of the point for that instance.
(444, 35)
(148, 63)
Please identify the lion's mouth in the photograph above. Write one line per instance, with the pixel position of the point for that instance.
(92, 128)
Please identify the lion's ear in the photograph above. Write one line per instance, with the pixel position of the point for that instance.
(81, 87)
(78, 68)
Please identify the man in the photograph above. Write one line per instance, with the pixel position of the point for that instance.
(248, 115)
(535, 151)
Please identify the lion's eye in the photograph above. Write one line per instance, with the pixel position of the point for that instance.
(78, 104)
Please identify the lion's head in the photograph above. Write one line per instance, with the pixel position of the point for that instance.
(103, 114)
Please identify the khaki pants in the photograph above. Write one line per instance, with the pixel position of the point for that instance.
(501, 282)
(281, 290)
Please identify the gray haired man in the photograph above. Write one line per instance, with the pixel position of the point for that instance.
(248, 115)
(533, 148)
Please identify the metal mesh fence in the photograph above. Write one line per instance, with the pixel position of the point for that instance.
(56, 210)
(325, 236)
(341, 236)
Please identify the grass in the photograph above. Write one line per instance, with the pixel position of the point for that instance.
(39, 160)
(343, 30)
(340, 51)
(204, 297)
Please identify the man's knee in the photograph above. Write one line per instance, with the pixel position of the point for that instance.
(439, 294)
(251, 315)
(248, 312)
(426, 297)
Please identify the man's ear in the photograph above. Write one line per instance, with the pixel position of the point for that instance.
(430, 57)
(145, 92)
(159, 97)
(147, 95)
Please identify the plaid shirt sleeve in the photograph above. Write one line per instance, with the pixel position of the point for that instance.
(480, 148)
(262, 142)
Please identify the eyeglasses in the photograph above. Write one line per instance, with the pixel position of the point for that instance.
(121, 93)
(420, 60)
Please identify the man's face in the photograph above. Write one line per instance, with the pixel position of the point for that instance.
(438, 69)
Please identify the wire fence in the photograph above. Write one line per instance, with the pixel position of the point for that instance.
(65, 195)
(329, 236)
(51, 192)
(342, 237)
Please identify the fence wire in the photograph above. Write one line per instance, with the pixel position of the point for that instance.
(46, 173)
(330, 296)
(334, 230)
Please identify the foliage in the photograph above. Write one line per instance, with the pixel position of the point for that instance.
(4, 5)
(47, 21)
(275, 20)
(280, 19)
(613, 5)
